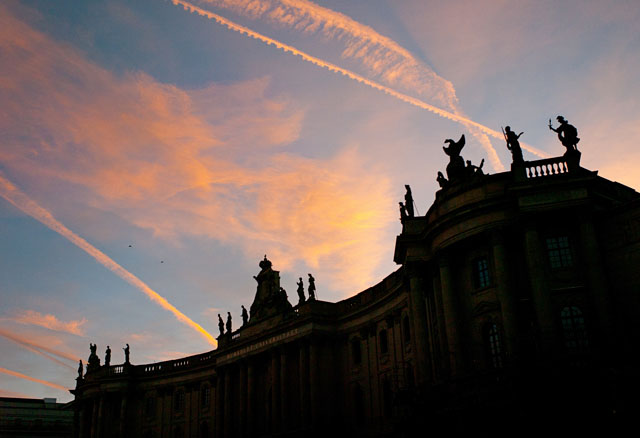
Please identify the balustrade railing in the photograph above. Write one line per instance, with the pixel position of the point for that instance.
(551, 166)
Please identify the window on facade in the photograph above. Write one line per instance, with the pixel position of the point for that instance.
(481, 275)
(406, 329)
(559, 252)
(494, 345)
(574, 330)
(178, 401)
(384, 342)
(356, 352)
(205, 397)
(150, 407)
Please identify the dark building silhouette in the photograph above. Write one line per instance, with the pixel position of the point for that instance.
(516, 304)
(35, 417)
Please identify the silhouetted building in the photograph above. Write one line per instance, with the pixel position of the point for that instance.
(35, 418)
(516, 303)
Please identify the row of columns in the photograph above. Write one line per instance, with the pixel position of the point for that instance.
(96, 427)
(237, 411)
(536, 262)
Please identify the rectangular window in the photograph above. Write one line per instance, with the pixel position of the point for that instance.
(481, 276)
(559, 252)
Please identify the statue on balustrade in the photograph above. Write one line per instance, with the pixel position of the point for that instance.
(107, 357)
(472, 169)
(403, 212)
(300, 284)
(568, 136)
(245, 316)
(126, 354)
(455, 168)
(513, 145)
(312, 287)
(220, 325)
(94, 361)
(269, 299)
(408, 201)
(80, 370)
(229, 323)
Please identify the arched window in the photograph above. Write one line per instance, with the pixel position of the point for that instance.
(205, 396)
(406, 329)
(384, 343)
(481, 274)
(574, 330)
(493, 345)
(178, 401)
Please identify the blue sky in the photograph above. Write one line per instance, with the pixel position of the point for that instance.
(144, 124)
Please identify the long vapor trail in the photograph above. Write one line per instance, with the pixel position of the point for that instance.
(32, 379)
(21, 201)
(41, 350)
(350, 74)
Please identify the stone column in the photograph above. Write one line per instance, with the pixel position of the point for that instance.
(451, 316)
(123, 416)
(219, 404)
(284, 414)
(275, 400)
(505, 295)
(419, 324)
(100, 428)
(304, 381)
(80, 424)
(94, 418)
(314, 376)
(228, 409)
(251, 388)
(597, 281)
(242, 411)
(540, 291)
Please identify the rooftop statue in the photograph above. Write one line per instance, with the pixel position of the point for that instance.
(403, 212)
(245, 316)
(220, 325)
(94, 361)
(229, 323)
(126, 354)
(442, 181)
(80, 370)
(312, 287)
(472, 169)
(568, 136)
(513, 144)
(455, 168)
(408, 201)
(300, 291)
(107, 357)
(269, 300)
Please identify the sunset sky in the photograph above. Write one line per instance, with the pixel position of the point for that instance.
(152, 152)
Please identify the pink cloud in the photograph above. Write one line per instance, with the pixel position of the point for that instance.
(186, 162)
(49, 321)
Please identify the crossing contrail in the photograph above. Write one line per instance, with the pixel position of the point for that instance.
(39, 349)
(21, 201)
(33, 379)
(355, 76)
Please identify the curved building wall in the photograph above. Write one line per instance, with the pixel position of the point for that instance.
(510, 287)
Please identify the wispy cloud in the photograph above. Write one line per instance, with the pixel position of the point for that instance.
(49, 321)
(174, 161)
(21, 201)
(32, 379)
(38, 346)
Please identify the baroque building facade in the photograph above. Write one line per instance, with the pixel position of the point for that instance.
(516, 301)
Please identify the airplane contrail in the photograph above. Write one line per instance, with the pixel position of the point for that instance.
(40, 349)
(33, 379)
(350, 74)
(21, 201)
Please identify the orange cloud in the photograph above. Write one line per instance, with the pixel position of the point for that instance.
(13, 195)
(49, 321)
(177, 162)
(32, 379)
(38, 348)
